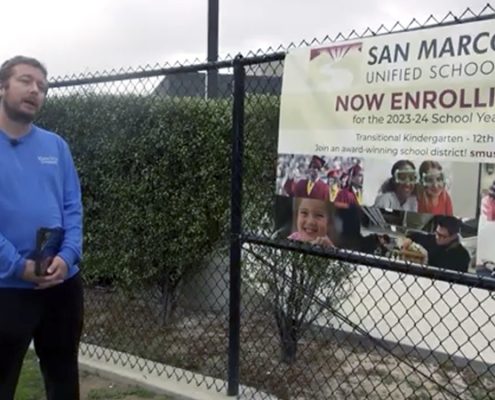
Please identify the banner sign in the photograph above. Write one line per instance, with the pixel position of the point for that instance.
(428, 93)
(398, 123)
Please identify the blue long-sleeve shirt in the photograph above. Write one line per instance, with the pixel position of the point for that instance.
(39, 187)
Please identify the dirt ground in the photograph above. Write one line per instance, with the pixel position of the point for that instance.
(326, 367)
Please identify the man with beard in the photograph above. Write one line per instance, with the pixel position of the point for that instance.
(39, 191)
(312, 186)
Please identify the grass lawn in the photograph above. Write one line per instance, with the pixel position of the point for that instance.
(93, 387)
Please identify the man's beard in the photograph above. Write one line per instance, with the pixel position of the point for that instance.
(16, 115)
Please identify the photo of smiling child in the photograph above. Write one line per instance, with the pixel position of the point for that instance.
(398, 192)
(313, 220)
(433, 197)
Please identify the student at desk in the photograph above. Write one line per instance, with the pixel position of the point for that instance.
(444, 247)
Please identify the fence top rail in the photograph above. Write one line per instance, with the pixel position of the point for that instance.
(208, 66)
(466, 279)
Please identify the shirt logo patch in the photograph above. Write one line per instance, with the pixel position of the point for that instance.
(50, 160)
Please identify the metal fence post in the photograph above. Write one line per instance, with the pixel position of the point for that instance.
(236, 220)
(212, 74)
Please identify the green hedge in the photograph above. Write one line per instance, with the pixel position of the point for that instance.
(155, 175)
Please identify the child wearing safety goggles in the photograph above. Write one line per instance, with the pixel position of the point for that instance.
(432, 195)
(399, 191)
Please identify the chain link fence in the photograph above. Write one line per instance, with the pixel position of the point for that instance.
(183, 268)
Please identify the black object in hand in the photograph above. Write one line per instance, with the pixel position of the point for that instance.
(48, 243)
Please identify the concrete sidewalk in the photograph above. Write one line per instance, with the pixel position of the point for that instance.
(159, 378)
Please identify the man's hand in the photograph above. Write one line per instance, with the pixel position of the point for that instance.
(406, 243)
(56, 273)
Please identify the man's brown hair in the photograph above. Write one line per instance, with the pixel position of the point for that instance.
(7, 67)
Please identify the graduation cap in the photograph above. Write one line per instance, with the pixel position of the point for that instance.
(316, 162)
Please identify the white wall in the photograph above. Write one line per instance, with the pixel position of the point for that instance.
(464, 188)
(432, 315)
(486, 234)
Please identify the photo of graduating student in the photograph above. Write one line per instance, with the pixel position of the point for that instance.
(351, 191)
(301, 176)
(398, 192)
(312, 185)
(330, 178)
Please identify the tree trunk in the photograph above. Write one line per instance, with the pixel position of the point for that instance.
(288, 342)
(169, 300)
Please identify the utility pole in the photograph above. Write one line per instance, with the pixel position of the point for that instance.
(212, 77)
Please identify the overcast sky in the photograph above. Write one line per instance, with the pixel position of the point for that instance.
(94, 35)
